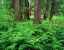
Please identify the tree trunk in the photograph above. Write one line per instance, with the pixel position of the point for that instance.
(53, 8)
(12, 6)
(37, 12)
(47, 8)
(17, 7)
(27, 10)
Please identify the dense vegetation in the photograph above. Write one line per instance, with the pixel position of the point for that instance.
(30, 30)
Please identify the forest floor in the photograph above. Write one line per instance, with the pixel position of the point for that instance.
(27, 36)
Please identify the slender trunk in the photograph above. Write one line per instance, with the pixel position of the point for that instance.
(27, 10)
(47, 8)
(12, 6)
(53, 8)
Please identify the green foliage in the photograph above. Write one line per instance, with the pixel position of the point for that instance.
(6, 13)
(27, 36)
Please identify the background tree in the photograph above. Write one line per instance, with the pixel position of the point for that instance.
(53, 8)
(27, 10)
(47, 9)
(17, 7)
(37, 12)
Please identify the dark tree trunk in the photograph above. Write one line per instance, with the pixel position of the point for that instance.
(12, 6)
(17, 7)
(27, 10)
(37, 12)
(46, 11)
(53, 8)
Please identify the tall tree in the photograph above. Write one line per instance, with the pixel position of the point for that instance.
(37, 12)
(46, 10)
(27, 9)
(12, 5)
(17, 7)
(53, 8)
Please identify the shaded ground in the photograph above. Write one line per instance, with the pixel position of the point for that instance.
(27, 36)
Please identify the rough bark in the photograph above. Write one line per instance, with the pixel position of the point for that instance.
(37, 12)
(17, 7)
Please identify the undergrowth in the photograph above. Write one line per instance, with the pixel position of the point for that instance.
(27, 36)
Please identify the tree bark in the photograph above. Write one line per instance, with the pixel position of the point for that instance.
(53, 8)
(27, 10)
(17, 7)
(37, 12)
